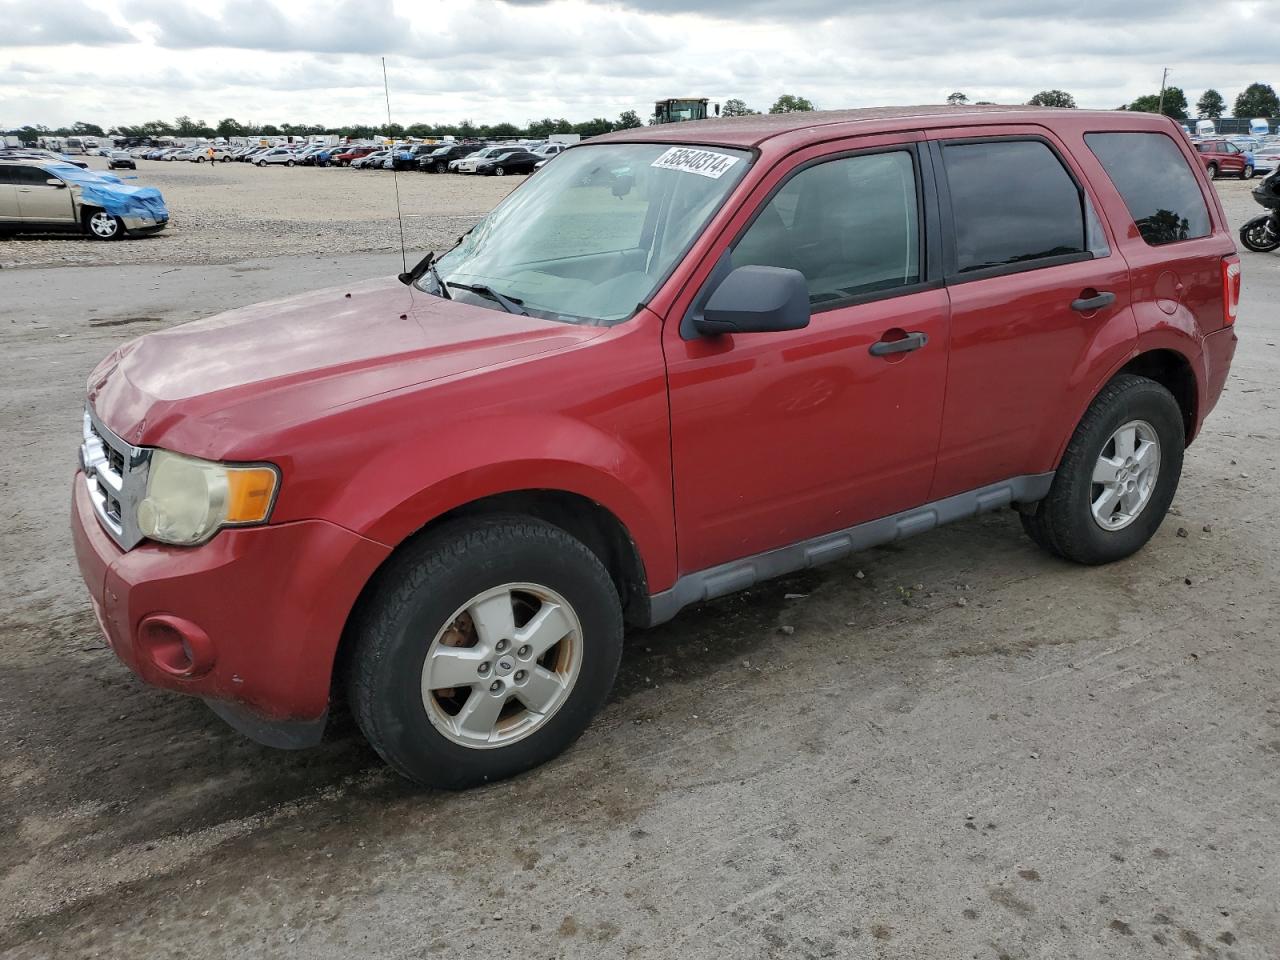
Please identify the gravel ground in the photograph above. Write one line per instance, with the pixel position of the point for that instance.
(226, 212)
(957, 748)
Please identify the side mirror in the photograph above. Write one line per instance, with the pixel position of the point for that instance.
(55, 182)
(756, 299)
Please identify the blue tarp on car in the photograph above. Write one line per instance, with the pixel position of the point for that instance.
(112, 194)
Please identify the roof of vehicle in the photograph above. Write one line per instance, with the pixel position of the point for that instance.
(820, 125)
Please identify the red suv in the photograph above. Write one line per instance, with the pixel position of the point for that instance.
(344, 157)
(1223, 156)
(680, 360)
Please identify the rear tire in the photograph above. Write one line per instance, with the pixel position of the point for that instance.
(1212, 170)
(1074, 521)
(421, 609)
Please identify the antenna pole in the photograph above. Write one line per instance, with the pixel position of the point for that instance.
(395, 176)
(1164, 79)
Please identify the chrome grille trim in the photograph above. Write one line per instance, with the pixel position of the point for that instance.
(115, 474)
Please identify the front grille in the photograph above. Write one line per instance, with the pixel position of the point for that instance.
(115, 474)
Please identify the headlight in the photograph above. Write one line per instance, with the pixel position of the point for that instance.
(189, 500)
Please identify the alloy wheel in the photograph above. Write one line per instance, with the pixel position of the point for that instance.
(502, 666)
(1125, 475)
(103, 225)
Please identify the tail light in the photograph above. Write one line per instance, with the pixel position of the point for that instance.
(1230, 289)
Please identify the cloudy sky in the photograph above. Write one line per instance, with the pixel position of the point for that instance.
(316, 61)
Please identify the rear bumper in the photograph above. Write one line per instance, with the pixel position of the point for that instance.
(1219, 348)
(251, 619)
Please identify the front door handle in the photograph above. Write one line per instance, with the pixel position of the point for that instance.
(912, 341)
(1096, 302)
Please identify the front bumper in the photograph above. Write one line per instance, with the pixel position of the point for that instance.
(145, 222)
(251, 619)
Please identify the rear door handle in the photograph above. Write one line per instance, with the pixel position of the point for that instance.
(1096, 302)
(912, 341)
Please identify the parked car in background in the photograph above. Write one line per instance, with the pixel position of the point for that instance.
(654, 414)
(438, 160)
(469, 163)
(343, 157)
(548, 150)
(513, 161)
(52, 195)
(1267, 157)
(210, 152)
(119, 160)
(370, 160)
(276, 156)
(1221, 156)
(406, 158)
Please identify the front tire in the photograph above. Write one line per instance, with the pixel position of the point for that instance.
(484, 650)
(289, 163)
(101, 225)
(1247, 173)
(1117, 478)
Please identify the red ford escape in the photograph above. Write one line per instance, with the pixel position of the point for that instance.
(678, 361)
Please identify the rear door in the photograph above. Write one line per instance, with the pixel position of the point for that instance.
(1034, 287)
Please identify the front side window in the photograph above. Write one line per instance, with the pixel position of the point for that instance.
(1013, 203)
(1156, 183)
(592, 236)
(851, 226)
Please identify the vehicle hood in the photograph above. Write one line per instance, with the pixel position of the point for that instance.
(216, 385)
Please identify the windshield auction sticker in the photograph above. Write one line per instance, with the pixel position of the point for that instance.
(705, 163)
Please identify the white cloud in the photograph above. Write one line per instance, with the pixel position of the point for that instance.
(317, 61)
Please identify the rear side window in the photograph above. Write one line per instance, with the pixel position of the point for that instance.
(1013, 203)
(1157, 185)
(851, 226)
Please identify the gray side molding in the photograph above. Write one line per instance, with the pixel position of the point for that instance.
(740, 574)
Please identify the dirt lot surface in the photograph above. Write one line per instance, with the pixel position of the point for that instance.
(959, 748)
(227, 212)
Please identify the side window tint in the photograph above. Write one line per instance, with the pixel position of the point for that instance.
(1157, 185)
(1013, 202)
(31, 176)
(851, 226)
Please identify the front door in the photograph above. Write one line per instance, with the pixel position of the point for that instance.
(39, 202)
(780, 437)
(9, 194)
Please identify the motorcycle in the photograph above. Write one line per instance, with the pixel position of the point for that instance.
(1262, 234)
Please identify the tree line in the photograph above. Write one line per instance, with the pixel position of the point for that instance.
(1256, 100)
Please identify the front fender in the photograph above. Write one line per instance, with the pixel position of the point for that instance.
(511, 454)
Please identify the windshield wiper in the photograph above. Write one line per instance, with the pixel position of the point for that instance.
(509, 304)
(424, 266)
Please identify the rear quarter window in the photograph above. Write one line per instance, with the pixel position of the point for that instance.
(1156, 183)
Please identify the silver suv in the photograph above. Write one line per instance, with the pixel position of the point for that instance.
(50, 195)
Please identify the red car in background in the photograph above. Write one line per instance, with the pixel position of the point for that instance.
(1223, 156)
(344, 157)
